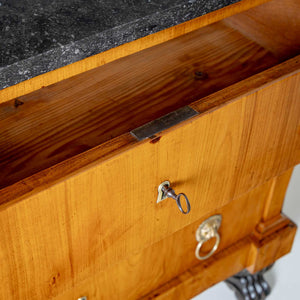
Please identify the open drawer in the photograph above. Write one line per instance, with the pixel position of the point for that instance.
(77, 189)
(204, 69)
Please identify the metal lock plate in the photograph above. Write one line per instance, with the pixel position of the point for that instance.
(163, 123)
(165, 191)
(161, 195)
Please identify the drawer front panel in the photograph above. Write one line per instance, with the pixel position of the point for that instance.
(171, 257)
(105, 213)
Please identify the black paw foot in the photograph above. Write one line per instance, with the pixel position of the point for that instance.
(249, 287)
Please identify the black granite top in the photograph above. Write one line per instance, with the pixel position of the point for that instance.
(38, 36)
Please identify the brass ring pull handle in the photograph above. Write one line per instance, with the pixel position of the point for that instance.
(211, 252)
(165, 191)
(206, 231)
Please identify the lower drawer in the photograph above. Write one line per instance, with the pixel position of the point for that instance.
(158, 266)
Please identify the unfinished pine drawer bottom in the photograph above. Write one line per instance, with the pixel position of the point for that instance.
(253, 235)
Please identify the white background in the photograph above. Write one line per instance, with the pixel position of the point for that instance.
(284, 277)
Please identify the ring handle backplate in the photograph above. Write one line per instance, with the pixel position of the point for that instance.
(206, 231)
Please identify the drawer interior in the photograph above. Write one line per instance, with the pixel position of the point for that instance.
(57, 122)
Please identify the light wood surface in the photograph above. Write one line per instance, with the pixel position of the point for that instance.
(230, 261)
(51, 269)
(100, 59)
(99, 216)
(276, 196)
(21, 158)
(173, 255)
(274, 25)
(271, 245)
(256, 155)
(78, 211)
(75, 115)
(118, 145)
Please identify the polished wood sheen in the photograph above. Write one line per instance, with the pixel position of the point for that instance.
(276, 196)
(52, 131)
(78, 211)
(274, 25)
(124, 142)
(225, 264)
(255, 152)
(174, 255)
(75, 115)
(98, 217)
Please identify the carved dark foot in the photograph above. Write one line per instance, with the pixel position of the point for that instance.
(249, 287)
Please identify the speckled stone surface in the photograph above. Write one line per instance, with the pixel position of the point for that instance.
(38, 36)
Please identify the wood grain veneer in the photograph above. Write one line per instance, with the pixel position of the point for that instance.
(274, 25)
(98, 216)
(163, 261)
(231, 261)
(170, 257)
(47, 129)
(75, 115)
(78, 193)
(125, 142)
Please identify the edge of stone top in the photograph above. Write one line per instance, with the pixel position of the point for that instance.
(85, 43)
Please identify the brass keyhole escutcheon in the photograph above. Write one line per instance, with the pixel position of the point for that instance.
(165, 191)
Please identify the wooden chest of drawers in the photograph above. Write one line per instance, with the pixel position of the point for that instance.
(218, 110)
